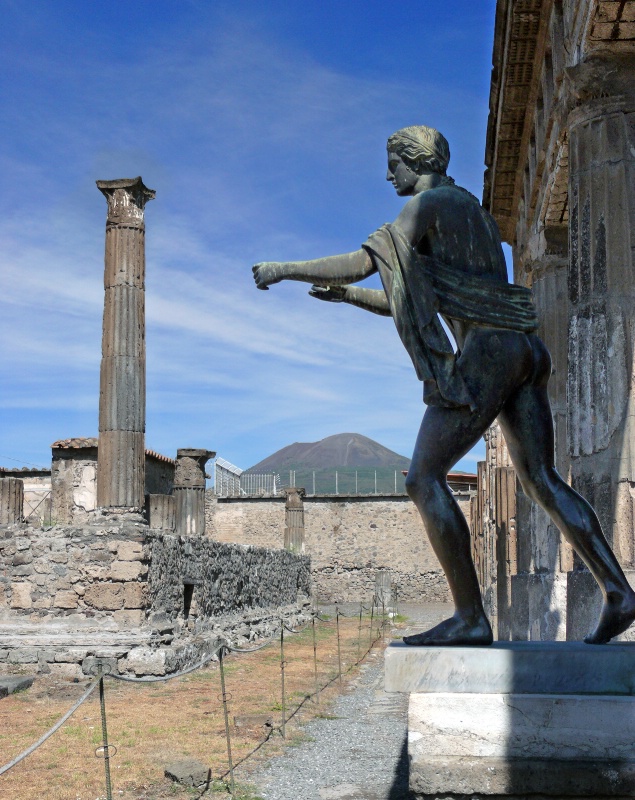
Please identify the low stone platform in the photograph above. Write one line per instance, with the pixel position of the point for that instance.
(552, 719)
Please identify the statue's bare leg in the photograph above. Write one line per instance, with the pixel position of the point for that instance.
(446, 435)
(527, 425)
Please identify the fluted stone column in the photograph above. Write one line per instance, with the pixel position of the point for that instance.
(161, 511)
(11, 500)
(601, 378)
(189, 490)
(122, 388)
(294, 520)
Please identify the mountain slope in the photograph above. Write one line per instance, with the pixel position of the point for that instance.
(341, 450)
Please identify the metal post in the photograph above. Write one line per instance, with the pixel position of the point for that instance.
(372, 615)
(375, 481)
(315, 669)
(359, 631)
(226, 715)
(336, 487)
(282, 665)
(339, 651)
(395, 481)
(356, 492)
(104, 737)
(314, 483)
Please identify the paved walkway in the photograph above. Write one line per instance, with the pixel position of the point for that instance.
(359, 750)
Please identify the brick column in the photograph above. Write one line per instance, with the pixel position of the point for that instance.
(11, 500)
(120, 468)
(189, 490)
(294, 520)
(601, 379)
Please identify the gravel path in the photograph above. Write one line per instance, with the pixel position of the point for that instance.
(361, 754)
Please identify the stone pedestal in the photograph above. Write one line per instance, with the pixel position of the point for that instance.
(518, 719)
(11, 500)
(189, 490)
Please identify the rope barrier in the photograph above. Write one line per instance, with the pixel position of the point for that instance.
(103, 670)
(52, 730)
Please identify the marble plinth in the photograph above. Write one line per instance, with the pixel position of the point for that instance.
(540, 719)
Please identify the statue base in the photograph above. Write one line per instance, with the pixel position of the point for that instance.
(518, 719)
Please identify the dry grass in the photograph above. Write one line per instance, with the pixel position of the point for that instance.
(154, 724)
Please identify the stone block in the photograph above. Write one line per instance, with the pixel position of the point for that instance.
(134, 595)
(71, 655)
(129, 617)
(23, 655)
(43, 602)
(145, 661)
(521, 744)
(130, 551)
(21, 595)
(65, 599)
(22, 557)
(562, 668)
(14, 683)
(189, 772)
(126, 570)
(69, 671)
(22, 572)
(105, 596)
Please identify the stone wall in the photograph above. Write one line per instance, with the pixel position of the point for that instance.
(347, 538)
(146, 601)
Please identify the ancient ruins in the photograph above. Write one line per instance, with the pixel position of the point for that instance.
(560, 182)
(121, 571)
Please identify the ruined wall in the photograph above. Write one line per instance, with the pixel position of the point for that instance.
(347, 538)
(225, 578)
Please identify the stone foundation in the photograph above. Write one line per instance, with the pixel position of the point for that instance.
(148, 602)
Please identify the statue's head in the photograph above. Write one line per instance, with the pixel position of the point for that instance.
(421, 148)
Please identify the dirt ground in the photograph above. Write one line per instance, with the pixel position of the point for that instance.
(154, 724)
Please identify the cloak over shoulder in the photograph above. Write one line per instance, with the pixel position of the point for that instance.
(418, 288)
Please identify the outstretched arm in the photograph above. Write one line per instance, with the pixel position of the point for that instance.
(373, 300)
(329, 271)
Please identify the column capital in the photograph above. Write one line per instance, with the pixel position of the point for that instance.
(190, 467)
(126, 199)
(603, 78)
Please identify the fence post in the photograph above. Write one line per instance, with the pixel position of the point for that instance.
(339, 651)
(226, 715)
(372, 617)
(359, 631)
(315, 669)
(282, 664)
(104, 734)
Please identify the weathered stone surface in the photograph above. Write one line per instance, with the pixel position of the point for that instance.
(134, 595)
(189, 772)
(348, 540)
(507, 744)
(126, 570)
(14, 683)
(129, 551)
(66, 599)
(107, 596)
(120, 469)
(563, 668)
(21, 595)
(161, 511)
(11, 500)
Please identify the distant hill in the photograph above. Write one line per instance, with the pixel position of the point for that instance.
(362, 465)
(341, 450)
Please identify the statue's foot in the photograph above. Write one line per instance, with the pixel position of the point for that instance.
(618, 613)
(454, 631)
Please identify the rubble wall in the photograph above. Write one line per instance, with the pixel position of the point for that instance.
(348, 540)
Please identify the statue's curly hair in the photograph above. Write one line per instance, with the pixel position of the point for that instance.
(420, 146)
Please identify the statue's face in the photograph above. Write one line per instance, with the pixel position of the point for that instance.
(400, 175)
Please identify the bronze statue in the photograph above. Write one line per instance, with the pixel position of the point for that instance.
(443, 255)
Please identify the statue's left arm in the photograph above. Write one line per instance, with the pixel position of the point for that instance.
(328, 271)
(373, 300)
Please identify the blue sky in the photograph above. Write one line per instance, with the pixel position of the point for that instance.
(262, 128)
